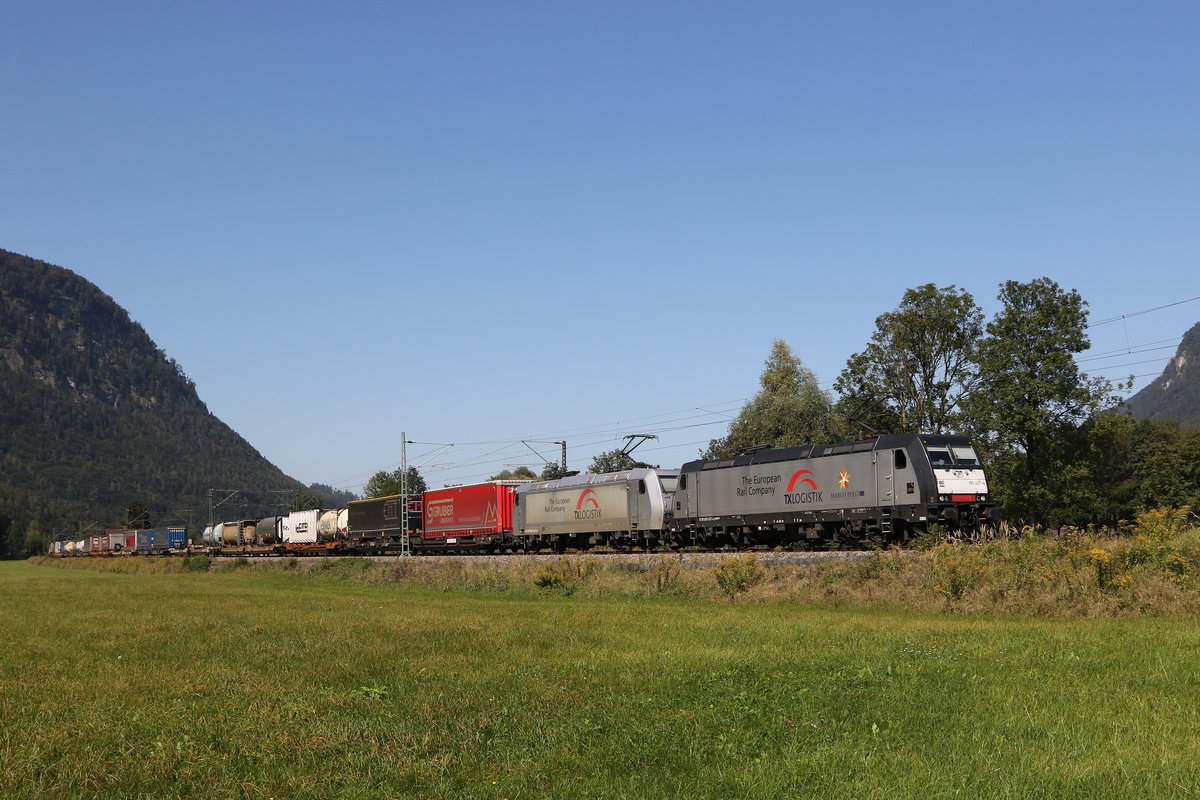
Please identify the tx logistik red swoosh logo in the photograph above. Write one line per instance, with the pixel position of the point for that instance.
(587, 496)
(797, 479)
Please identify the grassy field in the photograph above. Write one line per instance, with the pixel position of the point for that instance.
(291, 684)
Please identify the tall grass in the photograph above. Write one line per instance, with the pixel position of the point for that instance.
(1152, 568)
(255, 682)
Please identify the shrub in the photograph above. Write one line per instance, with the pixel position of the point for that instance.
(665, 573)
(956, 569)
(1102, 560)
(563, 576)
(931, 538)
(736, 575)
(197, 563)
(1164, 523)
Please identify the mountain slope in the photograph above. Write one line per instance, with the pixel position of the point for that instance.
(92, 413)
(1175, 394)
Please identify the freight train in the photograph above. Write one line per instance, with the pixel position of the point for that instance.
(885, 489)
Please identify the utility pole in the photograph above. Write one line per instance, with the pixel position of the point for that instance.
(543, 458)
(405, 545)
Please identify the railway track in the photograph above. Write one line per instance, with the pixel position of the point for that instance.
(608, 559)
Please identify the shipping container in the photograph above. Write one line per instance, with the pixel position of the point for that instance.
(99, 544)
(158, 540)
(119, 539)
(379, 517)
(300, 527)
(478, 510)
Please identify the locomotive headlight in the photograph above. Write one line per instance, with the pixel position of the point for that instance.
(944, 498)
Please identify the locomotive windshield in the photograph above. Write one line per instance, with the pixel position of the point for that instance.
(955, 455)
(669, 482)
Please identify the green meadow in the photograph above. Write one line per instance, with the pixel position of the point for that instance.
(296, 683)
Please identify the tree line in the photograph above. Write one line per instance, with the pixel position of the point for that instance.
(1059, 448)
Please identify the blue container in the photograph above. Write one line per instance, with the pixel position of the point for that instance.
(160, 540)
(150, 540)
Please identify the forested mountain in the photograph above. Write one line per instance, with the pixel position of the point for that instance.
(93, 414)
(1174, 395)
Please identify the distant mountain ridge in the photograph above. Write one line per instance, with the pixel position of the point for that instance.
(1174, 395)
(93, 413)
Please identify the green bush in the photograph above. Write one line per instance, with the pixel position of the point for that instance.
(563, 576)
(197, 563)
(736, 575)
(665, 573)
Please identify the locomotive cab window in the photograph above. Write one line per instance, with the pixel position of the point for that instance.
(670, 482)
(682, 482)
(901, 460)
(940, 456)
(964, 455)
(957, 455)
(641, 487)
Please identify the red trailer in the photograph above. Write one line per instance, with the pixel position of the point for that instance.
(468, 516)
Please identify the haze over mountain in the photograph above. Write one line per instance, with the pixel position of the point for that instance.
(1174, 395)
(93, 414)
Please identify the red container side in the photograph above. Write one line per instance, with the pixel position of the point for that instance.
(481, 509)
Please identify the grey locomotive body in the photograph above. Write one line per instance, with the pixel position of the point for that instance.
(616, 509)
(888, 488)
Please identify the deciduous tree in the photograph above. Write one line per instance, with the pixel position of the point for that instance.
(1031, 396)
(611, 461)
(306, 500)
(790, 409)
(919, 365)
(521, 473)
(385, 484)
(136, 514)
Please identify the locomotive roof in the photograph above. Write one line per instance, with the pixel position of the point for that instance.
(636, 473)
(887, 441)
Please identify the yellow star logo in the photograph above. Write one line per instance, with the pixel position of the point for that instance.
(844, 479)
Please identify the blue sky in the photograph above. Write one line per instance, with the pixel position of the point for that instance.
(482, 222)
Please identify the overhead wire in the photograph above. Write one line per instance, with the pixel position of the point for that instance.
(596, 434)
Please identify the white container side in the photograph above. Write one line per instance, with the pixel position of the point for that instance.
(300, 527)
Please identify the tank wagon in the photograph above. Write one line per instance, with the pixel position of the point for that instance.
(888, 488)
